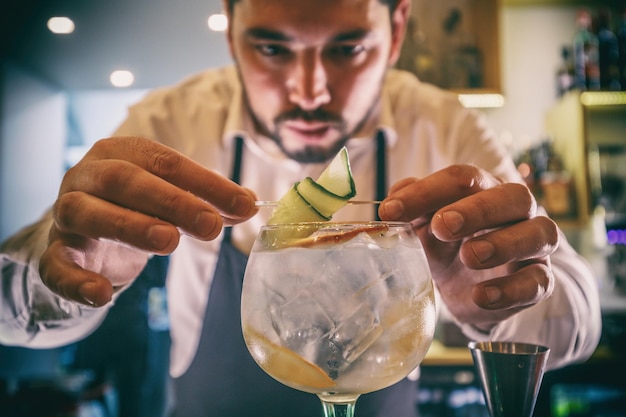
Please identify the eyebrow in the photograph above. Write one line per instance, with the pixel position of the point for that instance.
(273, 35)
(267, 34)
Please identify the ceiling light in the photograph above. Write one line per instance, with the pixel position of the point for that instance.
(60, 25)
(218, 22)
(122, 78)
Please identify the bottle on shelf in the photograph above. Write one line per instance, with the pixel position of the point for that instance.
(585, 48)
(565, 72)
(608, 53)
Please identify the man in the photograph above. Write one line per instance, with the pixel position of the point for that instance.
(310, 77)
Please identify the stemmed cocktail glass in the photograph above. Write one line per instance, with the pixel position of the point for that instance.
(338, 309)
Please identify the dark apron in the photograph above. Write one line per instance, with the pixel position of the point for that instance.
(224, 381)
(131, 348)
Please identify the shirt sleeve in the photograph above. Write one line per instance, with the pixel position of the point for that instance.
(30, 314)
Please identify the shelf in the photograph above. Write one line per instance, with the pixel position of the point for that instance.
(603, 98)
(441, 355)
(563, 2)
(581, 124)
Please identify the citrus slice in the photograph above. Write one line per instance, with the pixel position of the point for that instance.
(310, 200)
(284, 364)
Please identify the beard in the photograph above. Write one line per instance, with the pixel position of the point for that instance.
(311, 153)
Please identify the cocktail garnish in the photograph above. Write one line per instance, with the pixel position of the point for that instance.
(336, 236)
(285, 364)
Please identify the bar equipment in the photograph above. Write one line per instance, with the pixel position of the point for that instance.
(510, 375)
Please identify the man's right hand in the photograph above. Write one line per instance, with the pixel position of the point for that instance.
(127, 198)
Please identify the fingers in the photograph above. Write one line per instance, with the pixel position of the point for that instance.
(534, 238)
(489, 251)
(126, 198)
(496, 222)
(122, 184)
(412, 197)
(228, 198)
(527, 286)
(66, 278)
(494, 207)
(141, 192)
(83, 214)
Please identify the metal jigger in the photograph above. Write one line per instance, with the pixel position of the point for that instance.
(510, 375)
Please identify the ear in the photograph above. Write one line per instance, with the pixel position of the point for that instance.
(399, 19)
(229, 30)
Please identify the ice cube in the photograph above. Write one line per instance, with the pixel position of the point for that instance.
(300, 320)
(357, 332)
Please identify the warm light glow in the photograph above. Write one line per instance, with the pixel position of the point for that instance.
(481, 100)
(122, 78)
(61, 25)
(218, 22)
(603, 98)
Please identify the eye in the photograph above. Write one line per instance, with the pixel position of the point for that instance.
(271, 50)
(346, 50)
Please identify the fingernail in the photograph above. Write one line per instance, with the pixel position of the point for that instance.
(453, 221)
(483, 250)
(242, 204)
(159, 236)
(493, 294)
(393, 209)
(205, 224)
(88, 292)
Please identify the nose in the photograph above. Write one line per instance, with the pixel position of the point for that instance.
(307, 84)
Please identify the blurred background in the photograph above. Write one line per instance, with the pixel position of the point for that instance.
(514, 60)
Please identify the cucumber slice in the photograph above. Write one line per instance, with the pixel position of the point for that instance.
(337, 177)
(323, 201)
(310, 200)
(292, 208)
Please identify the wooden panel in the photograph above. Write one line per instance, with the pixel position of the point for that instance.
(454, 44)
(565, 125)
(487, 18)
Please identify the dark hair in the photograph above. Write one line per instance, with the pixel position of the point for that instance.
(391, 3)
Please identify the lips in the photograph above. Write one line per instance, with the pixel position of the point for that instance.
(305, 126)
(309, 129)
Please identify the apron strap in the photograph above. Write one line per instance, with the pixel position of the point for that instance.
(235, 176)
(381, 170)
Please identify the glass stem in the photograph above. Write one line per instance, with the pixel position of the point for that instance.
(338, 409)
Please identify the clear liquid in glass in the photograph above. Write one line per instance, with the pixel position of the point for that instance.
(349, 315)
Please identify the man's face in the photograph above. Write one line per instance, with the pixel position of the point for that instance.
(312, 69)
